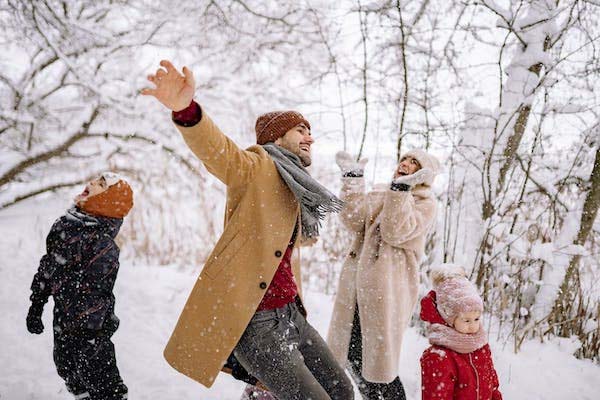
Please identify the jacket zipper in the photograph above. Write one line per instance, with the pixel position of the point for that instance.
(476, 375)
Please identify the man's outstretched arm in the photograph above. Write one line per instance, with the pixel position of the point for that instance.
(221, 156)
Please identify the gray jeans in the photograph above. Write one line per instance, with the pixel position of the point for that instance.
(282, 350)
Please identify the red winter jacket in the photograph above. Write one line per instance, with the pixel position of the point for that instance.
(449, 375)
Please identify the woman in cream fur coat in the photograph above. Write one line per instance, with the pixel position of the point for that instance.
(378, 285)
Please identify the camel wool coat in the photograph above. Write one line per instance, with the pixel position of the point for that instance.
(380, 274)
(260, 216)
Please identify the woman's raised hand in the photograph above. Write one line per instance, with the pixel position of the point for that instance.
(421, 176)
(350, 166)
(173, 89)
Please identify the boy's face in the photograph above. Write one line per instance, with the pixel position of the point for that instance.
(93, 188)
(298, 140)
(468, 322)
(408, 166)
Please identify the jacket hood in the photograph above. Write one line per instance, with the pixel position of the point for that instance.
(426, 160)
(429, 312)
(110, 226)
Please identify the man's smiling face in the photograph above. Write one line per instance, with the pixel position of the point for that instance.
(298, 140)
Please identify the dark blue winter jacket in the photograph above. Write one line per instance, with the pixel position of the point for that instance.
(79, 270)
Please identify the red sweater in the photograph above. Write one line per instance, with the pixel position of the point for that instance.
(283, 288)
(448, 375)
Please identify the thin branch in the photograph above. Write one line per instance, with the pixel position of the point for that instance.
(363, 32)
(45, 189)
(405, 77)
(509, 25)
(141, 138)
(47, 155)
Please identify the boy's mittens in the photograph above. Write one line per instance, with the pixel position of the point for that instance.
(34, 319)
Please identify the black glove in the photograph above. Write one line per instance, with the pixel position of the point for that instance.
(34, 319)
(239, 372)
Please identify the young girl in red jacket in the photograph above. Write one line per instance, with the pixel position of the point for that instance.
(458, 365)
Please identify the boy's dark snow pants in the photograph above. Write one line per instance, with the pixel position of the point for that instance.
(87, 363)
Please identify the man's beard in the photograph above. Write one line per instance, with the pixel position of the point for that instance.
(305, 159)
(305, 156)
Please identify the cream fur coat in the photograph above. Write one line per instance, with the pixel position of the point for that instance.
(380, 273)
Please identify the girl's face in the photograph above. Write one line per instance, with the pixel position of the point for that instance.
(93, 188)
(468, 322)
(408, 166)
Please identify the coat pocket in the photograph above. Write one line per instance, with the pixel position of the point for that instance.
(220, 258)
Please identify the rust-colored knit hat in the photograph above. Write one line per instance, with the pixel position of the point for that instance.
(273, 125)
(114, 202)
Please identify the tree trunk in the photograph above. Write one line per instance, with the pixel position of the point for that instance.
(564, 305)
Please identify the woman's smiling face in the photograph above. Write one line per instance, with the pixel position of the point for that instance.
(408, 165)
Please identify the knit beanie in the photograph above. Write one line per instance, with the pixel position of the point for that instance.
(454, 292)
(426, 160)
(114, 202)
(273, 125)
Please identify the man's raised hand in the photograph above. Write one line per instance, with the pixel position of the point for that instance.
(173, 89)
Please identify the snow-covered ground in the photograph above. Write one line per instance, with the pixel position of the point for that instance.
(149, 299)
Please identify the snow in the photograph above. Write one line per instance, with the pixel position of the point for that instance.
(242, 73)
(448, 270)
(112, 178)
(149, 299)
(439, 352)
(503, 12)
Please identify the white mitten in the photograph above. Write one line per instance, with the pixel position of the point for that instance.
(348, 165)
(421, 176)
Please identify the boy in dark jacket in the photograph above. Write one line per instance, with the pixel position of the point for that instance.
(79, 270)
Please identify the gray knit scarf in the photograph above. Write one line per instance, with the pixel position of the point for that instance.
(315, 200)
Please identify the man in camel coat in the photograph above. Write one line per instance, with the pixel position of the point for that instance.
(245, 310)
(379, 282)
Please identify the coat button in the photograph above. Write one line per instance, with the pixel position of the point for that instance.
(263, 285)
(352, 254)
(278, 253)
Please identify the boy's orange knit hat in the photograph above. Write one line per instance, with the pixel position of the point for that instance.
(114, 202)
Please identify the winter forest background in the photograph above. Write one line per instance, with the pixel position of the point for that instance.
(505, 93)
